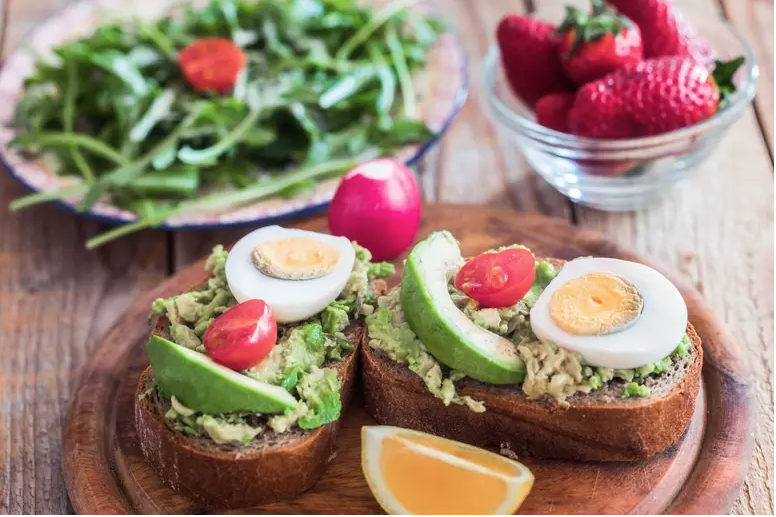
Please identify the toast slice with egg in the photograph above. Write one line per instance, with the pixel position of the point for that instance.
(598, 426)
(272, 467)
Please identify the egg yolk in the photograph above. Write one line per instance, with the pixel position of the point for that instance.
(298, 258)
(595, 304)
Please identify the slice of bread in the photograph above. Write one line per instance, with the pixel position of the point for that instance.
(274, 466)
(599, 426)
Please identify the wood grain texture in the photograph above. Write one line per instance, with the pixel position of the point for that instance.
(477, 161)
(99, 432)
(754, 18)
(56, 300)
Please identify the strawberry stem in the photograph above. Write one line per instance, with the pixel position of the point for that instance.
(592, 26)
(723, 74)
(599, 7)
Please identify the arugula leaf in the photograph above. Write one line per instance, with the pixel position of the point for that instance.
(158, 109)
(123, 68)
(402, 70)
(68, 120)
(346, 86)
(71, 140)
(387, 81)
(382, 16)
(127, 173)
(400, 133)
(199, 156)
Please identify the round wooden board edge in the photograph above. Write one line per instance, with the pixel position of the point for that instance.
(711, 488)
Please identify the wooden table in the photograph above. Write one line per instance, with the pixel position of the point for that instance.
(57, 299)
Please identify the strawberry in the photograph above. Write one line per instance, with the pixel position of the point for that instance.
(592, 45)
(664, 30)
(652, 97)
(530, 58)
(552, 110)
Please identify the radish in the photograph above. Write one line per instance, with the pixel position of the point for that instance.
(377, 204)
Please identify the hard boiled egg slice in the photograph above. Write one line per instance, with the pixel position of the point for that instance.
(296, 272)
(617, 314)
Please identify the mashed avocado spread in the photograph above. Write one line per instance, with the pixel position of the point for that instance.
(550, 370)
(297, 362)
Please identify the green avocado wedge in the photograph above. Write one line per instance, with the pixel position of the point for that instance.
(206, 386)
(446, 332)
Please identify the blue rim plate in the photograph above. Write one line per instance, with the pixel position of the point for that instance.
(441, 88)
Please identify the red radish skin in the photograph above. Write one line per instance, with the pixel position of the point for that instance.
(377, 204)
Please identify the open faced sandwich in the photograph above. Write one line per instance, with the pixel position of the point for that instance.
(591, 359)
(252, 369)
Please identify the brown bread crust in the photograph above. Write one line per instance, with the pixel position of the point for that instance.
(590, 429)
(277, 467)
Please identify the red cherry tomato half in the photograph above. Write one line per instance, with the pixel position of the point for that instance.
(212, 64)
(242, 336)
(497, 279)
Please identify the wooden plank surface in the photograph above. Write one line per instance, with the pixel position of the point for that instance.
(717, 232)
(477, 161)
(754, 18)
(56, 301)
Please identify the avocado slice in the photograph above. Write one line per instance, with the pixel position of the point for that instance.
(448, 334)
(206, 386)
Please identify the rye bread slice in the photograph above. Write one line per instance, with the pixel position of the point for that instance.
(599, 426)
(274, 466)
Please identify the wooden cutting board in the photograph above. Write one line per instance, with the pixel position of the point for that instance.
(106, 472)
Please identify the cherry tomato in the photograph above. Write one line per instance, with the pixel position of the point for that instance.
(212, 64)
(242, 336)
(497, 279)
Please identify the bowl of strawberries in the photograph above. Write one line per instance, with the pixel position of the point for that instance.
(618, 103)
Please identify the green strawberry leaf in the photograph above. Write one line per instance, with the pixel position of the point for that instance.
(591, 27)
(723, 74)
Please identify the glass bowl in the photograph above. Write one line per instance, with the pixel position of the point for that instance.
(628, 174)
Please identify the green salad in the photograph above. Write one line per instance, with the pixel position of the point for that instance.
(324, 84)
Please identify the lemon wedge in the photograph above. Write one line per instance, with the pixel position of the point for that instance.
(414, 473)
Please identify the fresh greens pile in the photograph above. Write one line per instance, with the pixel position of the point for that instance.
(327, 83)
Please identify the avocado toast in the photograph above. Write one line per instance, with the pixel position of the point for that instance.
(237, 436)
(428, 367)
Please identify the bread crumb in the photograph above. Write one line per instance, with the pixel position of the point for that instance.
(506, 450)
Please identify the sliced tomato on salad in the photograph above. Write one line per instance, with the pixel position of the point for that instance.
(212, 64)
(497, 279)
(243, 336)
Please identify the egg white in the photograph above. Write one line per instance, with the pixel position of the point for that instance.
(290, 300)
(653, 336)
